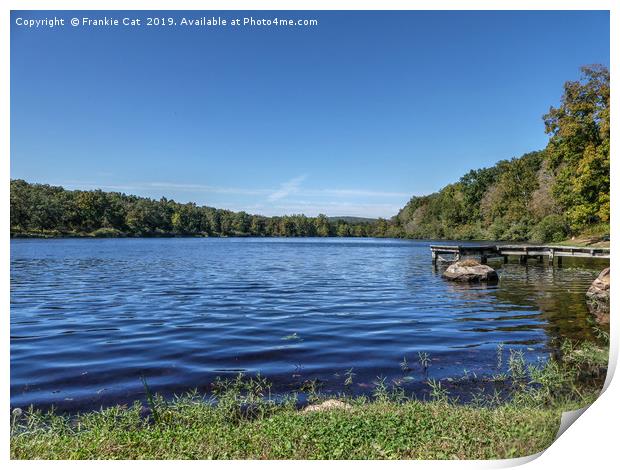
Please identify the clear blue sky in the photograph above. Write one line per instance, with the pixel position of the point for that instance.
(350, 117)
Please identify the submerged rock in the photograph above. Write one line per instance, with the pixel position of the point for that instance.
(598, 296)
(328, 405)
(470, 270)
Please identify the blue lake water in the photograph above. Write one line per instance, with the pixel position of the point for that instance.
(89, 316)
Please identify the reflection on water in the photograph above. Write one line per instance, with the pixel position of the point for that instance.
(88, 317)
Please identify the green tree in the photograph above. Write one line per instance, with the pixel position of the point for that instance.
(343, 229)
(187, 219)
(578, 148)
(474, 186)
(257, 226)
(322, 225)
(241, 223)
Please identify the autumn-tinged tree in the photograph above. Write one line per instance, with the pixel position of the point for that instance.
(186, 218)
(91, 207)
(380, 227)
(509, 197)
(343, 229)
(474, 186)
(578, 148)
(241, 222)
(257, 225)
(322, 225)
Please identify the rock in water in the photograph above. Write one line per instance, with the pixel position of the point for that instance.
(470, 270)
(598, 293)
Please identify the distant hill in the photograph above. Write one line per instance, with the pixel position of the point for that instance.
(353, 220)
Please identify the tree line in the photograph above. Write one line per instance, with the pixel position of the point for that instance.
(44, 210)
(542, 196)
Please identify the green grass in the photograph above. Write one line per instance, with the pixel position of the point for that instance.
(194, 430)
(595, 236)
(242, 421)
(584, 242)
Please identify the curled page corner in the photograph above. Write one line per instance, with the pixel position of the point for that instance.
(568, 418)
(517, 461)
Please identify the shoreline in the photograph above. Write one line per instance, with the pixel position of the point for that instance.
(241, 420)
(597, 242)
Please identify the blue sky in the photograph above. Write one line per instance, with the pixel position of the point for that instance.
(350, 117)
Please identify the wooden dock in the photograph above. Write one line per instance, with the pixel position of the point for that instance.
(524, 252)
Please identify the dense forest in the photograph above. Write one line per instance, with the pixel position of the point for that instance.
(541, 196)
(44, 210)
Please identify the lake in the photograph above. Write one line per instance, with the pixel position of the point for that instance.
(89, 317)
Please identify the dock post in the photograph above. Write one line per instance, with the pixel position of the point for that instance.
(523, 259)
(505, 259)
(559, 261)
(551, 253)
(483, 259)
(540, 259)
(434, 257)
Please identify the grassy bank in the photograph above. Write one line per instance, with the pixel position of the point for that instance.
(519, 417)
(589, 239)
(194, 430)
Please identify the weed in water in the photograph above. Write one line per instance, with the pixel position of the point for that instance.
(243, 397)
(348, 380)
(150, 399)
(438, 393)
(425, 361)
(380, 391)
(501, 377)
(601, 334)
(500, 356)
(517, 367)
(297, 371)
(312, 388)
(468, 376)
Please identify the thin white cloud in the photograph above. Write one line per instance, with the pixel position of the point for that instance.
(266, 201)
(353, 192)
(287, 188)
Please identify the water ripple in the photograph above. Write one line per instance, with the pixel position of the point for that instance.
(89, 317)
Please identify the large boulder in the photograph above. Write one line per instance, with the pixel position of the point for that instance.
(470, 270)
(598, 293)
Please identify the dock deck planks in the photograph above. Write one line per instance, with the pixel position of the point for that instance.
(523, 251)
